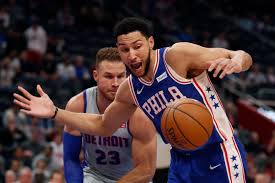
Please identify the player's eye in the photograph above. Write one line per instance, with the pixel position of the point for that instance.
(121, 76)
(137, 46)
(124, 50)
(108, 77)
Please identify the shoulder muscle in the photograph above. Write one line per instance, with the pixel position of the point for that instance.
(75, 104)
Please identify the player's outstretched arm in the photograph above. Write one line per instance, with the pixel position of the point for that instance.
(144, 147)
(195, 57)
(103, 125)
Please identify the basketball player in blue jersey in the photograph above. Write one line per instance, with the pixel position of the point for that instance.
(158, 78)
(129, 155)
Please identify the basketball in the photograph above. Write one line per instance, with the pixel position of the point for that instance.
(186, 124)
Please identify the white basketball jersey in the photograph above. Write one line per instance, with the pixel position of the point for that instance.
(107, 157)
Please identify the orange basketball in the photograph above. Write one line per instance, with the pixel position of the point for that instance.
(186, 124)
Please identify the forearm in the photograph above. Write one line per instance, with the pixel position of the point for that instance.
(138, 175)
(243, 58)
(101, 125)
(86, 123)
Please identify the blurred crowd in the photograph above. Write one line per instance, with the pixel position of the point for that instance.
(53, 43)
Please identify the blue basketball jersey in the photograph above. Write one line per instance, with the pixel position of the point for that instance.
(167, 86)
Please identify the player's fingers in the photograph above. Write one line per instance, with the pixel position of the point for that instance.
(40, 90)
(226, 70)
(214, 64)
(219, 67)
(20, 98)
(25, 92)
(224, 73)
(21, 104)
(26, 112)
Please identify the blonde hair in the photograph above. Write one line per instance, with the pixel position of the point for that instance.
(109, 53)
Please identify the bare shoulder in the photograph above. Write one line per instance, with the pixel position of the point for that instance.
(141, 126)
(124, 94)
(75, 104)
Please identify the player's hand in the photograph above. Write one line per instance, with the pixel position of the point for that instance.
(41, 107)
(224, 66)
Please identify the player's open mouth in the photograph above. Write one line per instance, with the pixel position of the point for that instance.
(136, 66)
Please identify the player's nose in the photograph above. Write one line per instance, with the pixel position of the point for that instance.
(132, 55)
(115, 82)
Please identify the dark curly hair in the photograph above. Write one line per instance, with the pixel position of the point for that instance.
(132, 24)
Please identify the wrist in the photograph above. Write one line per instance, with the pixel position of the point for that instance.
(55, 113)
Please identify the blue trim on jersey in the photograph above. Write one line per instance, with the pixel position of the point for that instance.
(85, 100)
(85, 110)
(128, 127)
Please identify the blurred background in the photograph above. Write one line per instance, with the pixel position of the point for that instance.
(53, 43)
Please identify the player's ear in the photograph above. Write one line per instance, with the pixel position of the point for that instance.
(151, 42)
(95, 75)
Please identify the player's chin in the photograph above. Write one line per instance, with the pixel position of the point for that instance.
(138, 72)
(111, 95)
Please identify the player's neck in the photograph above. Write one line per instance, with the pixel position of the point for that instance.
(150, 73)
(102, 102)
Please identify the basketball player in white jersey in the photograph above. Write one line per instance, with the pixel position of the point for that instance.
(129, 155)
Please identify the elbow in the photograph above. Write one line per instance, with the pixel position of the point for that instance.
(151, 172)
(148, 172)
